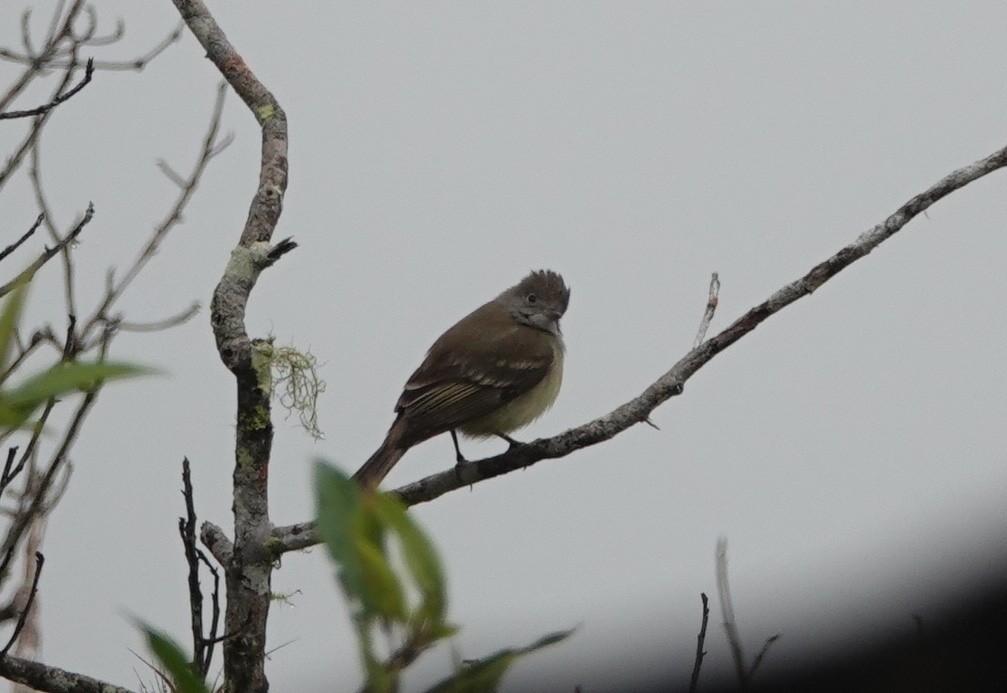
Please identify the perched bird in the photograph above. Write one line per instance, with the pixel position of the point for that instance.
(497, 369)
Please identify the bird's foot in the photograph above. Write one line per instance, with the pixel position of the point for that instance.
(510, 441)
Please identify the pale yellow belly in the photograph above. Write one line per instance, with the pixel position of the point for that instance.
(523, 409)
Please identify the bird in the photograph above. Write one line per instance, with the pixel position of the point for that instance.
(494, 371)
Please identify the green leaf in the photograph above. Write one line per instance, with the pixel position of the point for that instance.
(172, 658)
(354, 537)
(381, 593)
(8, 321)
(420, 557)
(380, 680)
(18, 403)
(485, 674)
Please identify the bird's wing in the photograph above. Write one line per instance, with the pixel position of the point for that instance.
(466, 384)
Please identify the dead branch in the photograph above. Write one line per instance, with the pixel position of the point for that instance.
(28, 234)
(671, 384)
(60, 98)
(49, 253)
(249, 571)
(700, 643)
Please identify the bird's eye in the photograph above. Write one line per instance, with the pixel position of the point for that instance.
(532, 298)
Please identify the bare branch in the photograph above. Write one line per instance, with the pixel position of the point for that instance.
(42, 677)
(211, 639)
(28, 234)
(35, 174)
(14, 161)
(202, 647)
(727, 610)
(762, 653)
(45, 108)
(711, 308)
(62, 59)
(39, 562)
(8, 473)
(25, 516)
(187, 530)
(172, 219)
(670, 384)
(163, 324)
(216, 541)
(62, 30)
(39, 337)
(49, 253)
(250, 567)
(700, 642)
(743, 672)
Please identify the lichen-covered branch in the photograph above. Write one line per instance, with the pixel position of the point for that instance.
(249, 571)
(638, 409)
(48, 679)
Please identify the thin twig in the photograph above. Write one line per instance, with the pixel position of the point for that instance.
(163, 324)
(711, 308)
(8, 475)
(59, 32)
(35, 174)
(28, 234)
(61, 98)
(211, 639)
(39, 561)
(59, 459)
(187, 530)
(50, 253)
(762, 653)
(52, 44)
(59, 59)
(700, 642)
(172, 219)
(727, 610)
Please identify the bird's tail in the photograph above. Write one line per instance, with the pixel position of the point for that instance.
(381, 462)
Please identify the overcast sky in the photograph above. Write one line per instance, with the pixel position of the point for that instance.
(851, 449)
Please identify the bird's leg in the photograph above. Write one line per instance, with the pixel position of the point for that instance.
(513, 443)
(459, 458)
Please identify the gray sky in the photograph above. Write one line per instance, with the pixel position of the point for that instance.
(851, 449)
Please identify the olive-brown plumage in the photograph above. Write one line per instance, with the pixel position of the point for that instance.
(496, 370)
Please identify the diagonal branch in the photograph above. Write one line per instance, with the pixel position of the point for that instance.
(27, 234)
(49, 253)
(210, 148)
(670, 384)
(49, 679)
(23, 617)
(60, 98)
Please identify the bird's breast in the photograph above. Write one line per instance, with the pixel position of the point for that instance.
(524, 408)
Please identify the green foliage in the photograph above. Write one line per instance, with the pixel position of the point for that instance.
(356, 527)
(171, 657)
(8, 321)
(485, 674)
(404, 598)
(19, 403)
